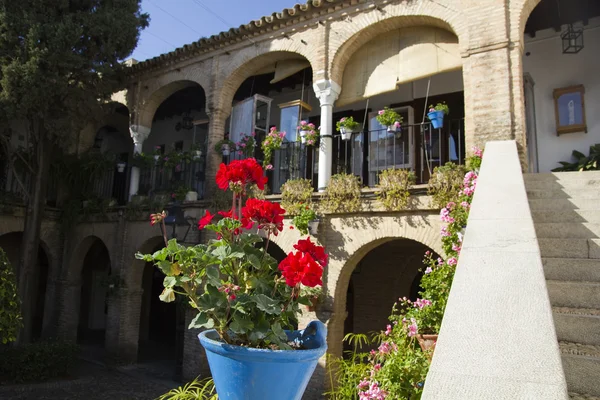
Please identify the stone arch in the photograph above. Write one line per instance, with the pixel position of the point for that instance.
(160, 89)
(75, 264)
(520, 10)
(134, 278)
(366, 26)
(251, 60)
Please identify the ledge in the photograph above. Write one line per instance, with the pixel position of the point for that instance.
(497, 339)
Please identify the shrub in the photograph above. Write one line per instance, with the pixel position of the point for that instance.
(37, 361)
(194, 390)
(10, 309)
(445, 183)
(393, 188)
(582, 163)
(342, 194)
(296, 194)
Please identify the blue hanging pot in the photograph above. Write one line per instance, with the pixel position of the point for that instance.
(437, 119)
(243, 373)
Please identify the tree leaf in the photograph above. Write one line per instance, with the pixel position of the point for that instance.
(201, 321)
(267, 304)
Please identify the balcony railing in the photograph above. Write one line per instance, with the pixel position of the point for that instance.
(162, 179)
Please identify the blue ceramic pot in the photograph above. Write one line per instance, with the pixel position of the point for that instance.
(242, 373)
(437, 119)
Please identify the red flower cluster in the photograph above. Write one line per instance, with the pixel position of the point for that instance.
(267, 215)
(154, 218)
(205, 220)
(240, 173)
(301, 268)
(305, 266)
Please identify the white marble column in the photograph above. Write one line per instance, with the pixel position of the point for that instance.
(327, 92)
(138, 133)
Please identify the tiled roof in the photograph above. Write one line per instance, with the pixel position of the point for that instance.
(234, 35)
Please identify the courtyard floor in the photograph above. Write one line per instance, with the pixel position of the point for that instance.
(95, 382)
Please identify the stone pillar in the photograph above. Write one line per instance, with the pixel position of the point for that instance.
(138, 133)
(68, 304)
(123, 325)
(494, 100)
(327, 91)
(216, 133)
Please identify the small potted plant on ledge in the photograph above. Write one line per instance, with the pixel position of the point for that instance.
(272, 142)
(436, 114)
(306, 221)
(121, 166)
(196, 150)
(308, 133)
(180, 194)
(346, 127)
(224, 147)
(248, 303)
(390, 119)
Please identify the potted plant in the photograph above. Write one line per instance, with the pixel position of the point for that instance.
(436, 114)
(306, 221)
(347, 126)
(157, 153)
(272, 142)
(180, 193)
(224, 147)
(393, 188)
(196, 150)
(308, 133)
(342, 195)
(142, 160)
(121, 166)
(390, 119)
(246, 145)
(248, 302)
(314, 294)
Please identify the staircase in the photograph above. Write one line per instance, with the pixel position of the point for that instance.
(566, 213)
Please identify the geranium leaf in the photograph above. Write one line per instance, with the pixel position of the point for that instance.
(169, 281)
(267, 304)
(240, 324)
(212, 272)
(255, 261)
(202, 321)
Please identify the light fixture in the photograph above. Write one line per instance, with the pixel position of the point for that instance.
(175, 217)
(187, 122)
(572, 40)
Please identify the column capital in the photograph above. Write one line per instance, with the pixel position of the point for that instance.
(139, 133)
(327, 91)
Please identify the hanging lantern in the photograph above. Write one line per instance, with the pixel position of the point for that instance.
(572, 40)
(187, 122)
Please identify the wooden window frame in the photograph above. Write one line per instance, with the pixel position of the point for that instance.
(562, 129)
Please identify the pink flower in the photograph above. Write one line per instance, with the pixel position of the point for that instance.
(253, 134)
(428, 270)
(269, 166)
(428, 253)
(380, 112)
(452, 261)
(422, 303)
(388, 330)
(440, 261)
(456, 247)
(377, 367)
(465, 204)
(303, 123)
(413, 329)
(477, 152)
(363, 384)
(451, 205)
(343, 119)
(374, 392)
(385, 348)
(444, 232)
(397, 124)
(242, 145)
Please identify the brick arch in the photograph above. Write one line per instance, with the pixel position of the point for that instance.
(81, 249)
(248, 61)
(158, 90)
(349, 37)
(520, 10)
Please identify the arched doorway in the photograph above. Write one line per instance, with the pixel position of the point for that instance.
(386, 273)
(160, 345)
(11, 244)
(95, 277)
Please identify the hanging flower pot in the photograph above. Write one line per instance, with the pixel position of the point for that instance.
(156, 157)
(313, 227)
(249, 373)
(394, 128)
(191, 196)
(436, 118)
(121, 167)
(225, 149)
(303, 136)
(346, 133)
(197, 154)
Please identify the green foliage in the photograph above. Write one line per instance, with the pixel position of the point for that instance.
(142, 160)
(296, 194)
(37, 362)
(270, 144)
(440, 107)
(348, 123)
(181, 192)
(445, 183)
(10, 311)
(583, 162)
(346, 373)
(393, 188)
(389, 117)
(301, 220)
(194, 390)
(342, 195)
(224, 142)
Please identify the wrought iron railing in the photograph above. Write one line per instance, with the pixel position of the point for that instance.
(163, 179)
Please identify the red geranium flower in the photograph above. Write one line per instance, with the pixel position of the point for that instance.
(205, 220)
(316, 252)
(154, 218)
(269, 216)
(240, 173)
(301, 268)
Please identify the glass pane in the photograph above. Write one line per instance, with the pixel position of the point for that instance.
(262, 109)
(289, 122)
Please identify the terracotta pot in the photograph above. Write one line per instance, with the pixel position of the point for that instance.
(427, 343)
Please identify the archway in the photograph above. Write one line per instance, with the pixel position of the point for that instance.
(11, 244)
(95, 284)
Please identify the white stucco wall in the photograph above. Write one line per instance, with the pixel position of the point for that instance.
(551, 69)
(164, 132)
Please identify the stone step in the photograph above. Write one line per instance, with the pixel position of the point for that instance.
(578, 325)
(574, 294)
(577, 396)
(564, 193)
(571, 216)
(581, 364)
(553, 176)
(572, 269)
(566, 204)
(569, 248)
(587, 184)
(565, 230)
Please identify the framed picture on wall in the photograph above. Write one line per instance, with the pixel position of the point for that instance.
(569, 109)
